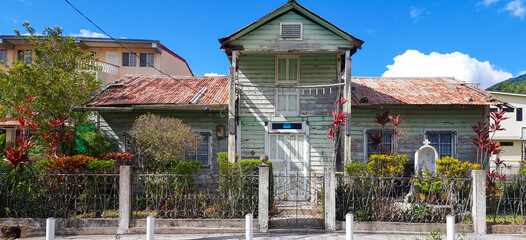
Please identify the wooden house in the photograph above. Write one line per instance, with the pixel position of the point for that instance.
(198, 101)
(285, 76)
(442, 110)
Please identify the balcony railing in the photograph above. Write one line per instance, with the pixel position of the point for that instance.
(107, 67)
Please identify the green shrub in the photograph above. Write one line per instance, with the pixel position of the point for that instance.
(240, 178)
(357, 169)
(101, 165)
(387, 165)
(450, 167)
(226, 167)
(183, 167)
(92, 143)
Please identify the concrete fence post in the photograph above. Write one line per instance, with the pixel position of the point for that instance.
(264, 182)
(330, 199)
(125, 199)
(478, 208)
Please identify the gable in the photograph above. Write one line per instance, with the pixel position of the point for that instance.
(314, 36)
(262, 35)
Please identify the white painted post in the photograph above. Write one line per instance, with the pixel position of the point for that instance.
(349, 226)
(248, 226)
(450, 221)
(150, 223)
(50, 229)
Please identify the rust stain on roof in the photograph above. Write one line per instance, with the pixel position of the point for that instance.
(418, 91)
(150, 90)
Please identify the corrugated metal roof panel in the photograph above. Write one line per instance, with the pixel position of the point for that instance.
(149, 90)
(418, 91)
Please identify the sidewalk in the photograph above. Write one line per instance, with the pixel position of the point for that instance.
(324, 236)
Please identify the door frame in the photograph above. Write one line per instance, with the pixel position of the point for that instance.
(304, 130)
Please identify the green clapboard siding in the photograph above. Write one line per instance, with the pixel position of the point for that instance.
(315, 37)
(117, 123)
(259, 69)
(417, 120)
(253, 138)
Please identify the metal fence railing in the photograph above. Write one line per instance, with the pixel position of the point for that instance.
(506, 200)
(194, 196)
(403, 199)
(59, 195)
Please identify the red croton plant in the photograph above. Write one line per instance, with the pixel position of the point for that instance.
(18, 155)
(487, 148)
(53, 135)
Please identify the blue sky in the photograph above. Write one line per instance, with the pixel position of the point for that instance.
(474, 40)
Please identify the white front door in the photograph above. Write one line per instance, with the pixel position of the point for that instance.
(291, 170)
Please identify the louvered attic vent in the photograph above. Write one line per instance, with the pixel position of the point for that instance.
(291, 31)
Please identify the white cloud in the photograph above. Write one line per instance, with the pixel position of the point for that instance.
(461, 66)
(522, 73)
(416, 12)
(516, 8)
(213, 74)
(488, 2)
(88, 33)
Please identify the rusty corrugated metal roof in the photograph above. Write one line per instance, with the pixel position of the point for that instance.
(151, 90)
(418, 91)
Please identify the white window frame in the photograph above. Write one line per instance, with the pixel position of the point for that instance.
(454, 139)
(210, 136)
(290, 23)
(287, 82)
(365, 142)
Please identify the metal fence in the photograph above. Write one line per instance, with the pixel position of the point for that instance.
(403, 199)
(194, 196)
(297, 202)
(506, 200)
(59, 195)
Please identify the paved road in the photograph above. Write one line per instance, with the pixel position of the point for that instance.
(325, 236)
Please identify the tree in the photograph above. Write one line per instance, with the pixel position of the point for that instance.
(61, 77)
(163, 139)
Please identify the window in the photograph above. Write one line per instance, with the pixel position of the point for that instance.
(442, 141)
(519, 114)
(25, 56)
(203, 153)
(506, 144)
(505, 110)
(287, 74)
(95, 53)
(291, 30)
(378, 142)
(129, 60)
(3, 55)
(147, 60)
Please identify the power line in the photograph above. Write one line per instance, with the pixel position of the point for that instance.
(137, 56)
